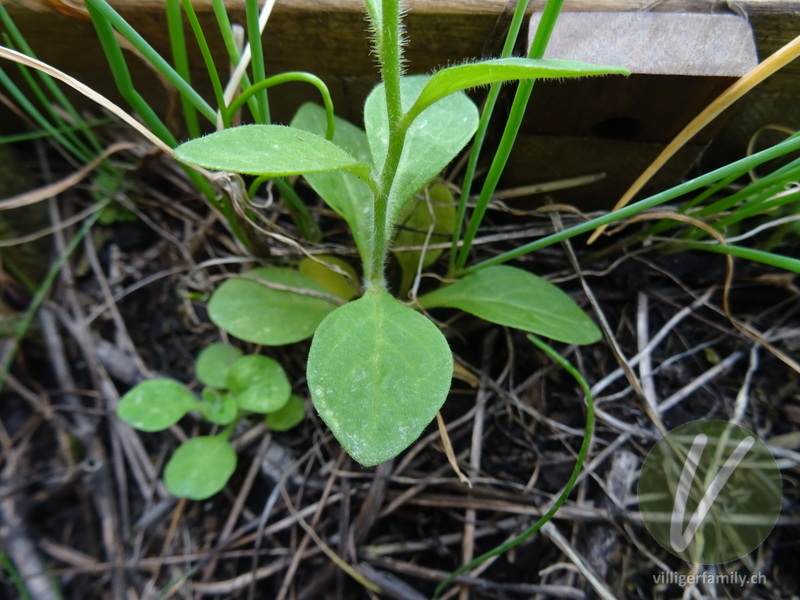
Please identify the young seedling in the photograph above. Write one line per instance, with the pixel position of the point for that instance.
(378, 371)
(236, 385)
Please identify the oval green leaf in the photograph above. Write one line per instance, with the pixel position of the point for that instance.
(258, 384)
(155, 405)
(270, 306)
(519, 299)
(345, 287)
(214, 362)
(432, 141)
(218, 407)
(289, 415)
(272, 150)
(462, 77)
(349, 196)
(378, 373)
(200, 467)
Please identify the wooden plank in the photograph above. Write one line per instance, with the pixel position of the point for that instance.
(679, 63)
(327, 37)
(655, 43)
(328, 33)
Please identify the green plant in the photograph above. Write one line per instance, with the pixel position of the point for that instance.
(378, 370)
(236, 385)
(242, 90)
(370, 177)
(60, 122)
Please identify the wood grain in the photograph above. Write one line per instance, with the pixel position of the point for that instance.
(327, 37)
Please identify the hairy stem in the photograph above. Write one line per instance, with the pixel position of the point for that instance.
(389, 54)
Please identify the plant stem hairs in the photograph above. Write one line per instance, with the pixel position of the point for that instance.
(375, 13)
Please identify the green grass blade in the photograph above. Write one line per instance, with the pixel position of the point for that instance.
(257, 58)
(480, 135)
(7, 565)
(524, 89)
(226, 32)
(35, 135)
(742, 165)
(756, 198)
(25, 104)
(102, 13)
(122, 76)
(750, 198)
(771, 198)
(180, 58)
(729, 201)
(61, 99)
(709, 192)
(768, 258)
(75, 145)
(208, 59)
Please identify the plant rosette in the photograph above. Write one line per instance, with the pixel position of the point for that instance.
(378, 371)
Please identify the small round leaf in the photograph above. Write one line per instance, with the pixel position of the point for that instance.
(200, 467)
(214, 362)
(218, 407)
(258, 384)
(290, 414)
(155, 405)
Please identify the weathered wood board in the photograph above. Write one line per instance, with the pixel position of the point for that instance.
(679, 62)
(327, 37)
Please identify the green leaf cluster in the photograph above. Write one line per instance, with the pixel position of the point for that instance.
(236, 385)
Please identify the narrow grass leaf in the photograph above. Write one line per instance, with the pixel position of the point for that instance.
(519, 299)
(378, 373)
(271, 306)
